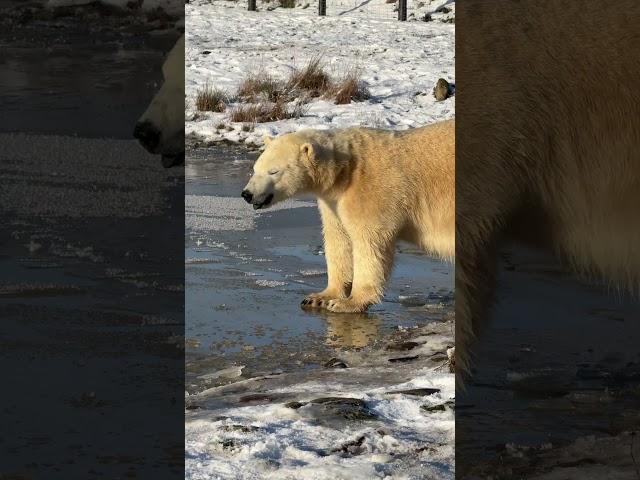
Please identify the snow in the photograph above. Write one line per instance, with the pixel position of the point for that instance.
(227, 436)
(400, 64)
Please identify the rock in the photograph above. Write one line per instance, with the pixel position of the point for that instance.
(344, 407)
(401, 347)
(295, 405)
(442, 90)
(229, 445)
(335, 363)
(239, 428)
(443, 407)
(258, 398)
(443, 9)
(420, 392)
(403, 359)
(415, 300)
(354, 447)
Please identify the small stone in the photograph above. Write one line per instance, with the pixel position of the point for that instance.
(442, 90)
(295, 405)
(344, 407)
(258, 398)
(402, 346)
(239, 428)
(420, 392)
(442, 407)
(335, 363)
(403, 359)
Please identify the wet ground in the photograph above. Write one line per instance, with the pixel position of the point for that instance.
(557, 378)
(247, 272)
(91, 269)
(274, 391)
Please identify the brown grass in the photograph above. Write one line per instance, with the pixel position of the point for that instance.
(262, 86)
(266, 112)
(287, 3)
(349, 89)
(269, 99)
(312, 78)
(211, 99)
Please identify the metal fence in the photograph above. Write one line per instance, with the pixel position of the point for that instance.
(389, 9)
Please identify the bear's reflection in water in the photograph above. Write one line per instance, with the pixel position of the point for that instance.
(351, 330)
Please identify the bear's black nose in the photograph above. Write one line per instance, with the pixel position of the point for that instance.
(148, 135)
(247, 195)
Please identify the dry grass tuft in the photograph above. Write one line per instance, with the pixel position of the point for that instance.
(349, 89)
(266, 112)
(269, 99)
(211, 99)
(312, 78)
(262, 86)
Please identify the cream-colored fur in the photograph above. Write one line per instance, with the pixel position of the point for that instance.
(166, 111)
(374, 187)
(551, 104)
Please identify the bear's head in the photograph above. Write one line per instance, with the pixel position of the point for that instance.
(160, 129)
(282, 171)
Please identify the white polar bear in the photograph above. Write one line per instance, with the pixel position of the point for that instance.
(373, 187)
(160, 129)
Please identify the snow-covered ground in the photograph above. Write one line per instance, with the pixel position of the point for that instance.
(374, 419)
(400, 62)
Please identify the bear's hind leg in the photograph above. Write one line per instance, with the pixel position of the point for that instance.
(337, 251)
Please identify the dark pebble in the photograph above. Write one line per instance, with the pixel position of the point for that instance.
(401, 347)
(419, 392)
(403, 359)
(336, 363)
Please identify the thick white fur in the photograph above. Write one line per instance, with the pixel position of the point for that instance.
(374, 187)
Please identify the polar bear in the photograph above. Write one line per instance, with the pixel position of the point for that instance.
(160, 129)
(374, 187)
(556, 167)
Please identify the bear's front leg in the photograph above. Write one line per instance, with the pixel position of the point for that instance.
(337, 251)
(373, 258)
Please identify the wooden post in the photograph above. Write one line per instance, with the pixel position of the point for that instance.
(402, 10)
(322, 8)
(252, 5)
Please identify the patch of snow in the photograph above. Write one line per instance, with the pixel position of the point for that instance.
(400, 63)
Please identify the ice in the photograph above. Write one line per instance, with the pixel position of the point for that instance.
(270, 283)
(204, 213)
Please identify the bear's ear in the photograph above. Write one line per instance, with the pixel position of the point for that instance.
(267, 139)
(307, 150)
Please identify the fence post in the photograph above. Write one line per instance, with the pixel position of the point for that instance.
(402, 10)
(252, 5)
(322, 8)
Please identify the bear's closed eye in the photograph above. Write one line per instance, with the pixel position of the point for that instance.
(273, 172)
